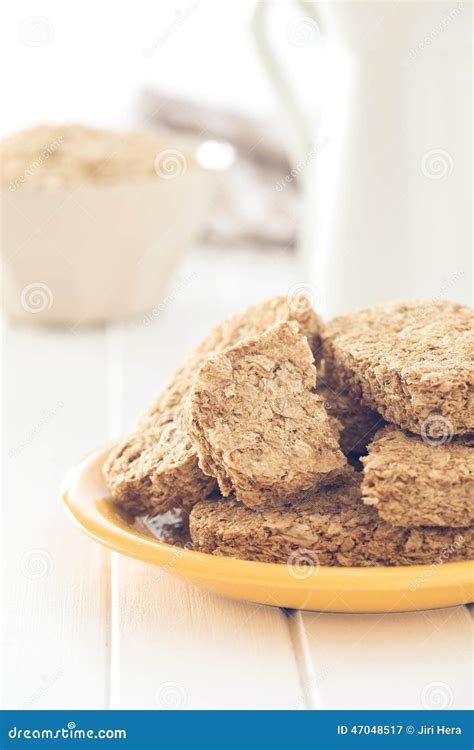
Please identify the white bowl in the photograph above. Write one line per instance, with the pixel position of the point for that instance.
(97, 252)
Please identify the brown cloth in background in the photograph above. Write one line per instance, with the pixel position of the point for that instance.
(258, 201)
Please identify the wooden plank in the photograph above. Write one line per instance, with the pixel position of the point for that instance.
(181, 647)
(185, 648)
(412, 660)
(55, 584)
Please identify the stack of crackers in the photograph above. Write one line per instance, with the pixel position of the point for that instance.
(351, 440)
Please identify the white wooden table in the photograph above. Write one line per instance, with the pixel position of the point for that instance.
(87, 628)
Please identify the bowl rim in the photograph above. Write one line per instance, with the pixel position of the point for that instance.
(132, 181)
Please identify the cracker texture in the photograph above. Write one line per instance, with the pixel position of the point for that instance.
(332, 528)
(258, 425)
(411, 361)
(359, 424)
(412, 482)
(155, 468)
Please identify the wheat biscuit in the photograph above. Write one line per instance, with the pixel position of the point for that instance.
(256, 422)
(359, 424)
(155, 468)
(411, 361)
(413, 482)
(331, 528)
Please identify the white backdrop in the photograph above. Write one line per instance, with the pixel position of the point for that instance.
(85, 62)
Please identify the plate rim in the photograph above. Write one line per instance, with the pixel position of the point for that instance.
(97, 521)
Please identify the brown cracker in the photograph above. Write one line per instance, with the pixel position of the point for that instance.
(155, 468)
(410, 361)
(412, 482)
(331, 528)
(359, 424)
(257, 424)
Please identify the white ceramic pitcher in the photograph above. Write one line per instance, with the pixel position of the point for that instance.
(387, 168)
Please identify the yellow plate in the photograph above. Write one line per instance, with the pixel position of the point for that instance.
(377, 589)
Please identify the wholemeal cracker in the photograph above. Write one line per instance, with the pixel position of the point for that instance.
(155, 468)
(415, 482)
(257, 424)
(359, 424)
(332, 528)
(411, 361)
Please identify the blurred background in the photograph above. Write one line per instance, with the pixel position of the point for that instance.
(336, 137)
(187, 69)
(89, 65)
(317, 148)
